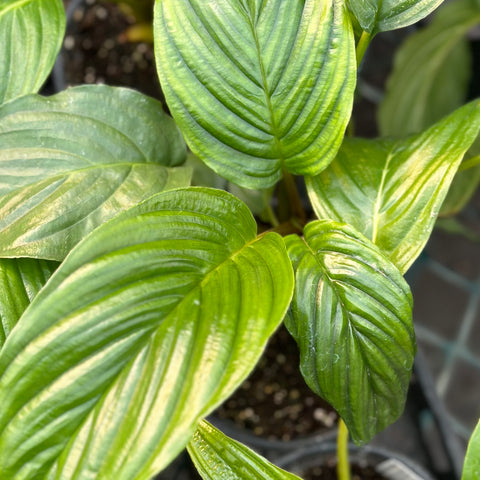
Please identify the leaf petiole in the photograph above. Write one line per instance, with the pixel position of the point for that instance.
(470, 163)
(343, 465)
(294, 199)
(362, 46)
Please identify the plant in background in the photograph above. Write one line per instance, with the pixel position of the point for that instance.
(431, 79)
(132, 305)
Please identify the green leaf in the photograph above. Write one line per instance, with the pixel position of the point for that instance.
(381, 15)
(218, 457)
(150, 322)
(392, 190)
(471, 467)
(20, 280)
(72, 161)
(31, 34)
(351, 316)
(256, 86)
(431, 72)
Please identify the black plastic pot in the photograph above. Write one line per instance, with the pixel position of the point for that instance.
(386, 463)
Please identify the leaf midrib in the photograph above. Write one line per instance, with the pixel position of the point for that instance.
(378, 201)
(13, 6)
(268, 99)
(204, 279)
(195, 287)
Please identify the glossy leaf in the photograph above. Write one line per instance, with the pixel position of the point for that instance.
(31, 34)
(218, 457)
(149, 323)
(20, 280)
(257, 86)
(431, 72)
(381, 15)
(392, 191)
(351, 316)
(471, 467)
(72, 161)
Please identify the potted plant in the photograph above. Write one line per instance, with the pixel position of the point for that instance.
(132, 304)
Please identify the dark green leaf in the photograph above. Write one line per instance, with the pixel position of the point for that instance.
(471, 468)
(150, 322)
(218, 457)
(20, 280)
(72, 161)
(257, 86)
(31, 34)
(351, 316)
(392, 191)
(381, 15)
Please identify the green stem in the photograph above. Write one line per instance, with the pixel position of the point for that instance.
(293, 196)
(343, 466)
(272, 218)
(470, 163)
(362, 45)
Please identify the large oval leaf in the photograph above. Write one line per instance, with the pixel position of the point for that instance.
(149, 324)
(72, 161)
(20, 281)
(471, 468)
(381, 15)
(351, 316)
(257, 86)
(218, 457)
(392, 191)
(31, 34)
(431, 72)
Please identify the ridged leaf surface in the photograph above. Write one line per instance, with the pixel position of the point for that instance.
(381, 15)
(257, 86)
(392, 191)
(31, 34)
(218, 457)
(149, 323)
(72, 161)
(351, 316)
(20, 281)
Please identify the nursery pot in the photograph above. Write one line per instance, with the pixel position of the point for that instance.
(319, 461)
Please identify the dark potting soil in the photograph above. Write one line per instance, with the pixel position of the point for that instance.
(328, 472)
(274, 402)
(95, 50)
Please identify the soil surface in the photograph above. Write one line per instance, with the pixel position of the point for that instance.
(95, 50)
(275, 402)
(328, 472)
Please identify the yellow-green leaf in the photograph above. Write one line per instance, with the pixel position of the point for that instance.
(255, 86)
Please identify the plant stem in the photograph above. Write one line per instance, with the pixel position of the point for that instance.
(343, 465)
(294, 197)
(362, 45)
(470, 163)
(272, 218)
